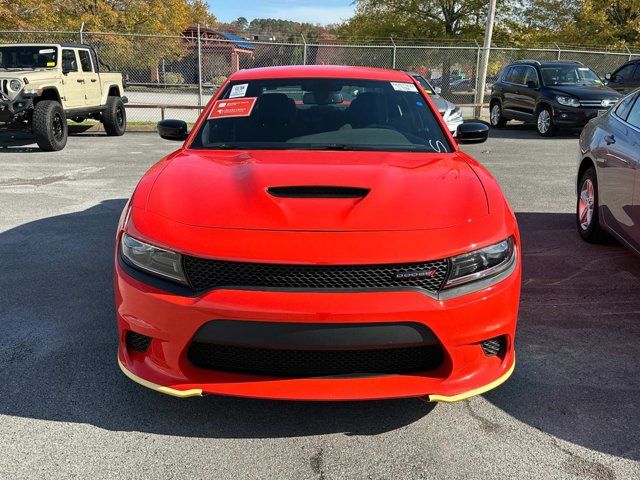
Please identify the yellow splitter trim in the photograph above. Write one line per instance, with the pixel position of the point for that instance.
(477, 391)
(197, 392)
(194, 392)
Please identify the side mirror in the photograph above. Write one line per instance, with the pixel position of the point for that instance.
(607, 76)
(437, 90)
(472, 132)
(532, 84)
(173, 130)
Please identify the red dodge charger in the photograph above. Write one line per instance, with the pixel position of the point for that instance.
(318, 236)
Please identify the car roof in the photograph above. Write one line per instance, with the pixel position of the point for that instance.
(322, 71)
(48, 44)
(547, 63)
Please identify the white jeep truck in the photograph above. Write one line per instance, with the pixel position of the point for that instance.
(43, 85)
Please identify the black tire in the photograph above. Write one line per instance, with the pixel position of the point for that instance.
(497, 120)
(544, 123)
(114, 118)
(589, 229)
(49, 126)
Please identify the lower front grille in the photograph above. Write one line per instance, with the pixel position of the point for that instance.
(137, 342)
(315, 363)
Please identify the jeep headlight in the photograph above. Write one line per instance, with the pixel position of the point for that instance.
(151, 259)
(456, 114)
(568, 101)
(15, 85)
(484, 263)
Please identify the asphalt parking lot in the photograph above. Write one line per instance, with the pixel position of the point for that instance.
(571, 409)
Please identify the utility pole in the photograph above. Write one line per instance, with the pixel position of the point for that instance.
(484, 62)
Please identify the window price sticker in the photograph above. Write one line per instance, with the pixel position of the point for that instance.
(239, 90)
(404, 87)
(236, 107)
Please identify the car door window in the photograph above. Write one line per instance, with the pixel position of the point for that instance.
(634, 114)
(624, 74)
(85, 61)
(624, 107)
(69, 62)
(636, 74)
(530, 76)
(517, 75)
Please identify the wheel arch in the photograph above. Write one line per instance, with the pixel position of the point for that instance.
(585, 164)
(110, 90)
(49, 93)
(543, 104)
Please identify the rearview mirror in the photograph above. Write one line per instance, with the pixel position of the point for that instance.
(472, 132)
(173, 130)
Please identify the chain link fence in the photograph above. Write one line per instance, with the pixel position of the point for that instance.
(175, 76)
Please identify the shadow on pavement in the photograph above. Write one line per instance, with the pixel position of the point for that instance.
(16, 141)
(577, 378)
(528, 132)
(578, 343)
(58, 349)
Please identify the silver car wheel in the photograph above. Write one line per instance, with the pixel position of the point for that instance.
(586, 204)
(495, 115)
(544, 121)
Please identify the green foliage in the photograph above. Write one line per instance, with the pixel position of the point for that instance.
(173, 78)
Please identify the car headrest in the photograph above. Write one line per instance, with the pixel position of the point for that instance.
(275, 108)
(368, 108)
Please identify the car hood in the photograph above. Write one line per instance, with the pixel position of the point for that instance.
(441, 104)
(591, 92)
(406, 191)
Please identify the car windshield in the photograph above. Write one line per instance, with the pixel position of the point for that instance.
(570, 75)
(28, 57)
(322, 114)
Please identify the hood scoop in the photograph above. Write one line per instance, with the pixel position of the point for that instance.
(317, 191)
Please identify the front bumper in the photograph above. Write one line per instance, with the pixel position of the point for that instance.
(10, 108)
(460, 325)
(570, 117)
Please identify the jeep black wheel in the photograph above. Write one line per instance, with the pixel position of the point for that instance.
(114, 117)
(49, 125)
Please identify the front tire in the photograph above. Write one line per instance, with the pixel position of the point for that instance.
(544, 124)
(495, 116)
(587, 215)
(49, 126)
(114, 118)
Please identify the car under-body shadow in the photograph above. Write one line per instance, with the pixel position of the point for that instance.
(577, 376)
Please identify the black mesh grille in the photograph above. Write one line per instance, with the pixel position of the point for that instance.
(309, 363)
(318, 191)
(205, 274)
(137, 341)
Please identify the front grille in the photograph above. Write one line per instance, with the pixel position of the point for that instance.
(597, 103)
(137, 342)
(313, 363)
(207, 274)
(4, 87)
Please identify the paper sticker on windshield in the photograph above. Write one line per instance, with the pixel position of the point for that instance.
(47, 50)
(238, 107)
(583, 69)
(239, 90)
(404, 87)
(51, 64)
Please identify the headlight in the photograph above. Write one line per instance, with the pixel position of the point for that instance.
(486, 262)
(568, 101)
(152, 259)
(15, 85)
(455, 114)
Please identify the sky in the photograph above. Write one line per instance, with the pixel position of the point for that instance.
(313, 11)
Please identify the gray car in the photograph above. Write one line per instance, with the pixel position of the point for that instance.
(608, 186)
(452, 115)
